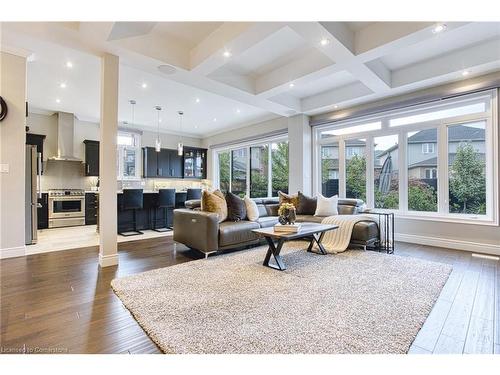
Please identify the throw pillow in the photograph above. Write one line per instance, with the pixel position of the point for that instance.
(327, 206)
(214, 202)
(285, 198)
(307, 205)
(236, 210)
(252, 209)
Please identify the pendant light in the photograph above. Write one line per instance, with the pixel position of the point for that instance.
(158, 141)
(180, 146)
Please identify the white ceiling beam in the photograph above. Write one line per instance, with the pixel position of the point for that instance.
(289, 101)
(296, 71)
(234, 37)
(384, 38)
(339, 52)
(454, 62)
(337, 96)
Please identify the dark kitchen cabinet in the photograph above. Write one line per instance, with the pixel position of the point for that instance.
(149, 162)
(195, 162)
(91, 208)
(43, 211)
(163, 164)
(36, 140)
(175, 164)
(91, 158)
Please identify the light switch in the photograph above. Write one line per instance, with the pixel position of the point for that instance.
(4, 168)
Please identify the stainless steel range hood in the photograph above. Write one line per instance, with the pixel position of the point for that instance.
(65, 136)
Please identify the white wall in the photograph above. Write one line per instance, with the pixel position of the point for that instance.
(12, 155)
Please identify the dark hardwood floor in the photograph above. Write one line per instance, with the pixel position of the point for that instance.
(61, 302)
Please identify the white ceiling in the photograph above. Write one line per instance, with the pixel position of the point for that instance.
(273, 68)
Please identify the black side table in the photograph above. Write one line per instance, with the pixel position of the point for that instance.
(386, 230)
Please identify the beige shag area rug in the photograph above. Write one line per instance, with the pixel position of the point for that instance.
(354, 302)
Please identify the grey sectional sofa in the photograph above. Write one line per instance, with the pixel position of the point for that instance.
(201, 230)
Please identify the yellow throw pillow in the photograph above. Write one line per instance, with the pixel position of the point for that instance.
(214, 202)
(285, 198)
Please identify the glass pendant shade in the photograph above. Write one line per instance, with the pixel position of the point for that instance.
(180, 149)
(158, 145)
(158, 141)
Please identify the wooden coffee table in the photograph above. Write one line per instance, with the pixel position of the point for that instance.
(312, 231)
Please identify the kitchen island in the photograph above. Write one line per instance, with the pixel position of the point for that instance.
(144, 216)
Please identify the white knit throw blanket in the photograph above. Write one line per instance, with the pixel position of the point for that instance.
(337, 240)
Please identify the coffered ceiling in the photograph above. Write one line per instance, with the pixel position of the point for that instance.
(250, 71)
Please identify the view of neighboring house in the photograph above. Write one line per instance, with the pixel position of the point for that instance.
(422, 151)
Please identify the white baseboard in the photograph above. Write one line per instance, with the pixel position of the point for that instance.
(12, 252)
(108, 260)
(476, 247)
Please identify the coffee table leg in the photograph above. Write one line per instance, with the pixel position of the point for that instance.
(317, 238)
(275, 252)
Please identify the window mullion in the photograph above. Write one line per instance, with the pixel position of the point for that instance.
(269, 170)
(248, 172)
(370, 164)
(342, 172)
(442, 163)
(403, 171)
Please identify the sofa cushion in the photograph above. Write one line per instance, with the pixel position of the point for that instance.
(364, 231)
(236, 208)
(235, 232)
(308, 218)
(267, 221)
(327, 206)
(262, 210)
(306, 205)
(214, 202)
(252, 209)
(285, 198)
(272, 209)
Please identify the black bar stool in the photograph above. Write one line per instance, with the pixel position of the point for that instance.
(166, 201)
(180, 199)
(132, 200)
(193, 194)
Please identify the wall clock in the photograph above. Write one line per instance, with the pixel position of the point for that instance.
(3, 109)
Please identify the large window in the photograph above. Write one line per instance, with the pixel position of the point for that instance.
(436, 160)
(258, 170)
(355, 168)
(128, 156)
(239, 171)
(330, 169)
(385, 171)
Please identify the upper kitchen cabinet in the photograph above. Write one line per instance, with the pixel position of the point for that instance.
(91, 158)
(195, 162)
(149, 162)
(163, 164)
(36, 140)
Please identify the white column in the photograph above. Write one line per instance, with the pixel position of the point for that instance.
(12, 155)
(300, 154)
(108, 250)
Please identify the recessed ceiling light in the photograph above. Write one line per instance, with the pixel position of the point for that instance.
(69, 64)
(238, 110)
(335, 106)
(196, 126)
(58, 100)
(226, 54)
(197, 100)
(144, 85)
(291, 85)
(215, 120)
(159, 120)
(439, 28)
(465, 73)
(62, 85)
(324, 42)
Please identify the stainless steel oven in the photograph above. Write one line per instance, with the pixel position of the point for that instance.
(66, 208)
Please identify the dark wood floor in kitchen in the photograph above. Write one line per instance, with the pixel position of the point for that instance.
(62, 302)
